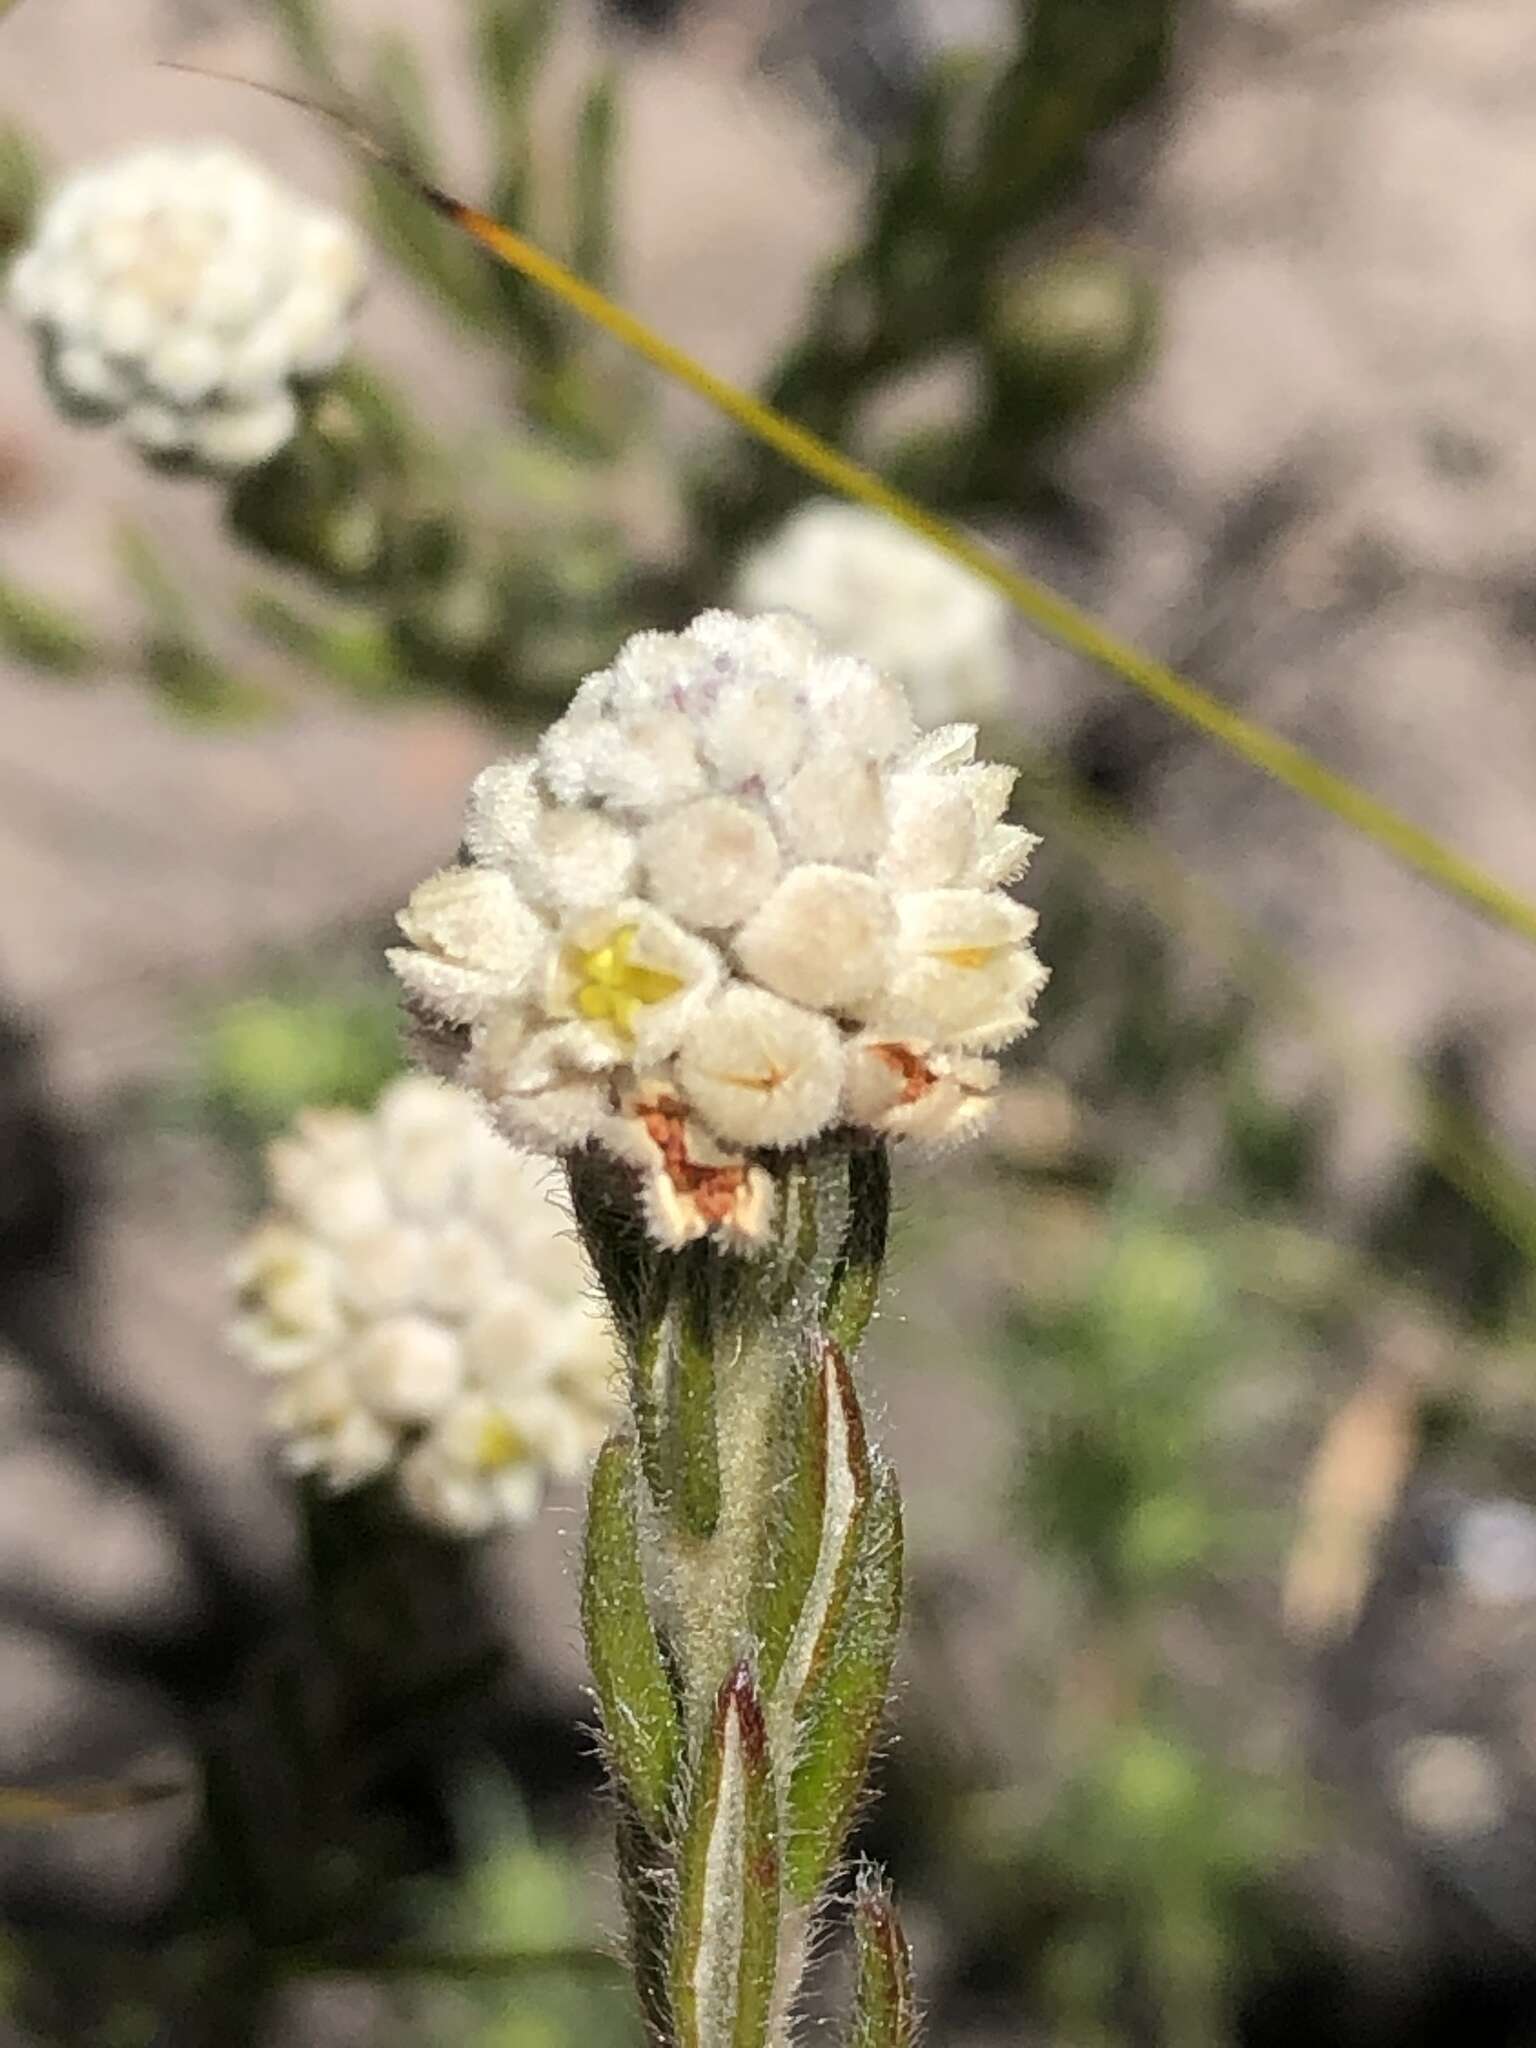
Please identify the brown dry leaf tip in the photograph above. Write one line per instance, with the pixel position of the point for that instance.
(739, 1693)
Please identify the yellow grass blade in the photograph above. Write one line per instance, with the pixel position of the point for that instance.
(45, 1806)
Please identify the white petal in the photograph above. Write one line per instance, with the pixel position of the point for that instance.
(575, 860)
(503, 804)
(510, 1346)
(380, 1274)
(474, 917)
(85, 376)
(315, 326)
(407, 1368)
(761, 1071)
(754, 734)
(428, 1136)
(1004, 855)
(711, 863)
(437, 989)
(934, 835)
(944, 749)
(852, 702)
(445, 1495)
(540, 1086)
(965, 973)
(834, 808)
(460, 1271)
(26, 287)
(157, 429)
(185, 367)
(259, 362)
(989, 785)
(243, 437)
(823, 938)
(127, 325)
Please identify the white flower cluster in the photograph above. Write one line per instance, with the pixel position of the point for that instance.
(733, 902)
(873, 589)
(180, 290)
(416, 1299)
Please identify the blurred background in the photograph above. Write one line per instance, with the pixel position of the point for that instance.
(1208, 1374)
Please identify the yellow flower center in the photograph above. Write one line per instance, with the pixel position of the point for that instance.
(611, 987)
(970, 956)
(499, 1443)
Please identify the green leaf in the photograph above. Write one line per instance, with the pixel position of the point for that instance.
(855, 1285)
(725, 1935)
(884, 2007)
(354, 649)
(645, 1877)
(402, 103)
(640, 1716)
(821, 1501)
(302, 25)
(197, 684)
(793, 1539)
(144, 566)
(844, 1699)
(511, 42)
(21, 187)
(39, 633)
(434, 254)
(592, 182)
(690, 1439)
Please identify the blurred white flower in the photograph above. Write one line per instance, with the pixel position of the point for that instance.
(734, 903)
(180, 290)
(875, 590)
(416, 1300)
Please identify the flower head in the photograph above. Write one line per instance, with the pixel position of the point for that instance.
(180, 290)
(734, 903)
(415, 1300)
(876, 590)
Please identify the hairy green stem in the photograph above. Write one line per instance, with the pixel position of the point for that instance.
(741, 1592)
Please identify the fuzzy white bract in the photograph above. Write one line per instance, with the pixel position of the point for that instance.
(875, 590)
(182, 292)
(417, 1301)
(735, 901)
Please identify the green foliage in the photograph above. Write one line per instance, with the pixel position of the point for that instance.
(42, 635)
(21, 186)
(1119, 1384)
(884, 2003)
(266, 1057)
(634, 1689)
(742, 1598)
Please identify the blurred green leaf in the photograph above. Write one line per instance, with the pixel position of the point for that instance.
(592, 185)
(197, 684)
(303, 26)
(354, 649)
(41, 634)
(21, 187)
(512, 39)
(402, 104)
(434, 254)
(268, 1057)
